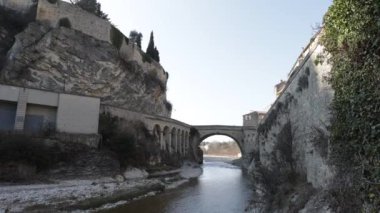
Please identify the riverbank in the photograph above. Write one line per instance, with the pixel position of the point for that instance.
(222, 188)
(70, 195)
(234, 160)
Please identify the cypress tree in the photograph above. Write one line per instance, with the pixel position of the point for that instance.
(152, 49)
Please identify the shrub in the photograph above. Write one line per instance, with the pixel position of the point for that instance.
(116, 37)
(136, 38)
(91, 6)
(151, 80)
(64, 22)
(133, 145)
(124, 145)
(168, 105)
(23, 149)
(130, 141)
(108, 125)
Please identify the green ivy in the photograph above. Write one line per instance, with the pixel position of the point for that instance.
(272, 117)
(352, 37)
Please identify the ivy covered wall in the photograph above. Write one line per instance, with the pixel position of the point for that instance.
(352, 38)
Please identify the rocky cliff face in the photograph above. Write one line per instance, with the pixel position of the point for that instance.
(68, 61)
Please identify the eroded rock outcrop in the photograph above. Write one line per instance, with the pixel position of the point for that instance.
(66, 60)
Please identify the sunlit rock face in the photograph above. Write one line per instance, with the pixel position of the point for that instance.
(65, 60)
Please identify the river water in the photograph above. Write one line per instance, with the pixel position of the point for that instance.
(222, 188)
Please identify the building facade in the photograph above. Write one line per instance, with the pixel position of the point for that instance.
(34, 111)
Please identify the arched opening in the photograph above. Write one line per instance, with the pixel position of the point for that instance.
(178, 142)
(173, 144)
(220, 147)
(157, 134)
(167, 138)
(182, 150)
(187, 143)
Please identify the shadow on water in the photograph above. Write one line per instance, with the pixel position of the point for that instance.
(222, 188)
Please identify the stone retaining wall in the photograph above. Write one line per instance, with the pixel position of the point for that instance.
(301, 115)
(87, 23)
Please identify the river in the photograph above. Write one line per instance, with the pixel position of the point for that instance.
(222, 188)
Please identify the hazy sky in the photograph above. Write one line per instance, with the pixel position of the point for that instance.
(223, 56)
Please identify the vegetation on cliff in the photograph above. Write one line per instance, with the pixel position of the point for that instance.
(130, 141)
(31, 158)
(352, 37)
(91, 6)
(152, 49)
(136, 37)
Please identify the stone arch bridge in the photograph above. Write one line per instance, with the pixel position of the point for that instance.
(176, 137)
(234, 132)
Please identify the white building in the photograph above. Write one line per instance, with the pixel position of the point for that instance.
(33, 111)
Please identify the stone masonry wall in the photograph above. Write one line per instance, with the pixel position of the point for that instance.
(300, 116)
(87, 23)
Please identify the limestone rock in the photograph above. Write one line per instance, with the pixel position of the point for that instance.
(191, 170)
(135, 173)
(119, 178)
(68, 61)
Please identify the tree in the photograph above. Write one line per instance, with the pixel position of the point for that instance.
(152, 49)
(91, 6)
(135, 37)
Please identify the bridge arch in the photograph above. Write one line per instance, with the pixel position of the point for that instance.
(234, 132)
(173, 140)
(202, 138)
(157, 134)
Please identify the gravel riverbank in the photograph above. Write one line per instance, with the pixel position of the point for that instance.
(71, 195)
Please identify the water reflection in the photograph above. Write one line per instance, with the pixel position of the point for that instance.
(222, 188)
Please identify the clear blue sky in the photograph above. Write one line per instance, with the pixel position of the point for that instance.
(223, 56)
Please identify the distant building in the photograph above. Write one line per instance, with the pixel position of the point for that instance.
(253, 118)
(280, 87)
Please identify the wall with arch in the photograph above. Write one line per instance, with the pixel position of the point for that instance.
(244, 136)
(180, 139)
(173, 136)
